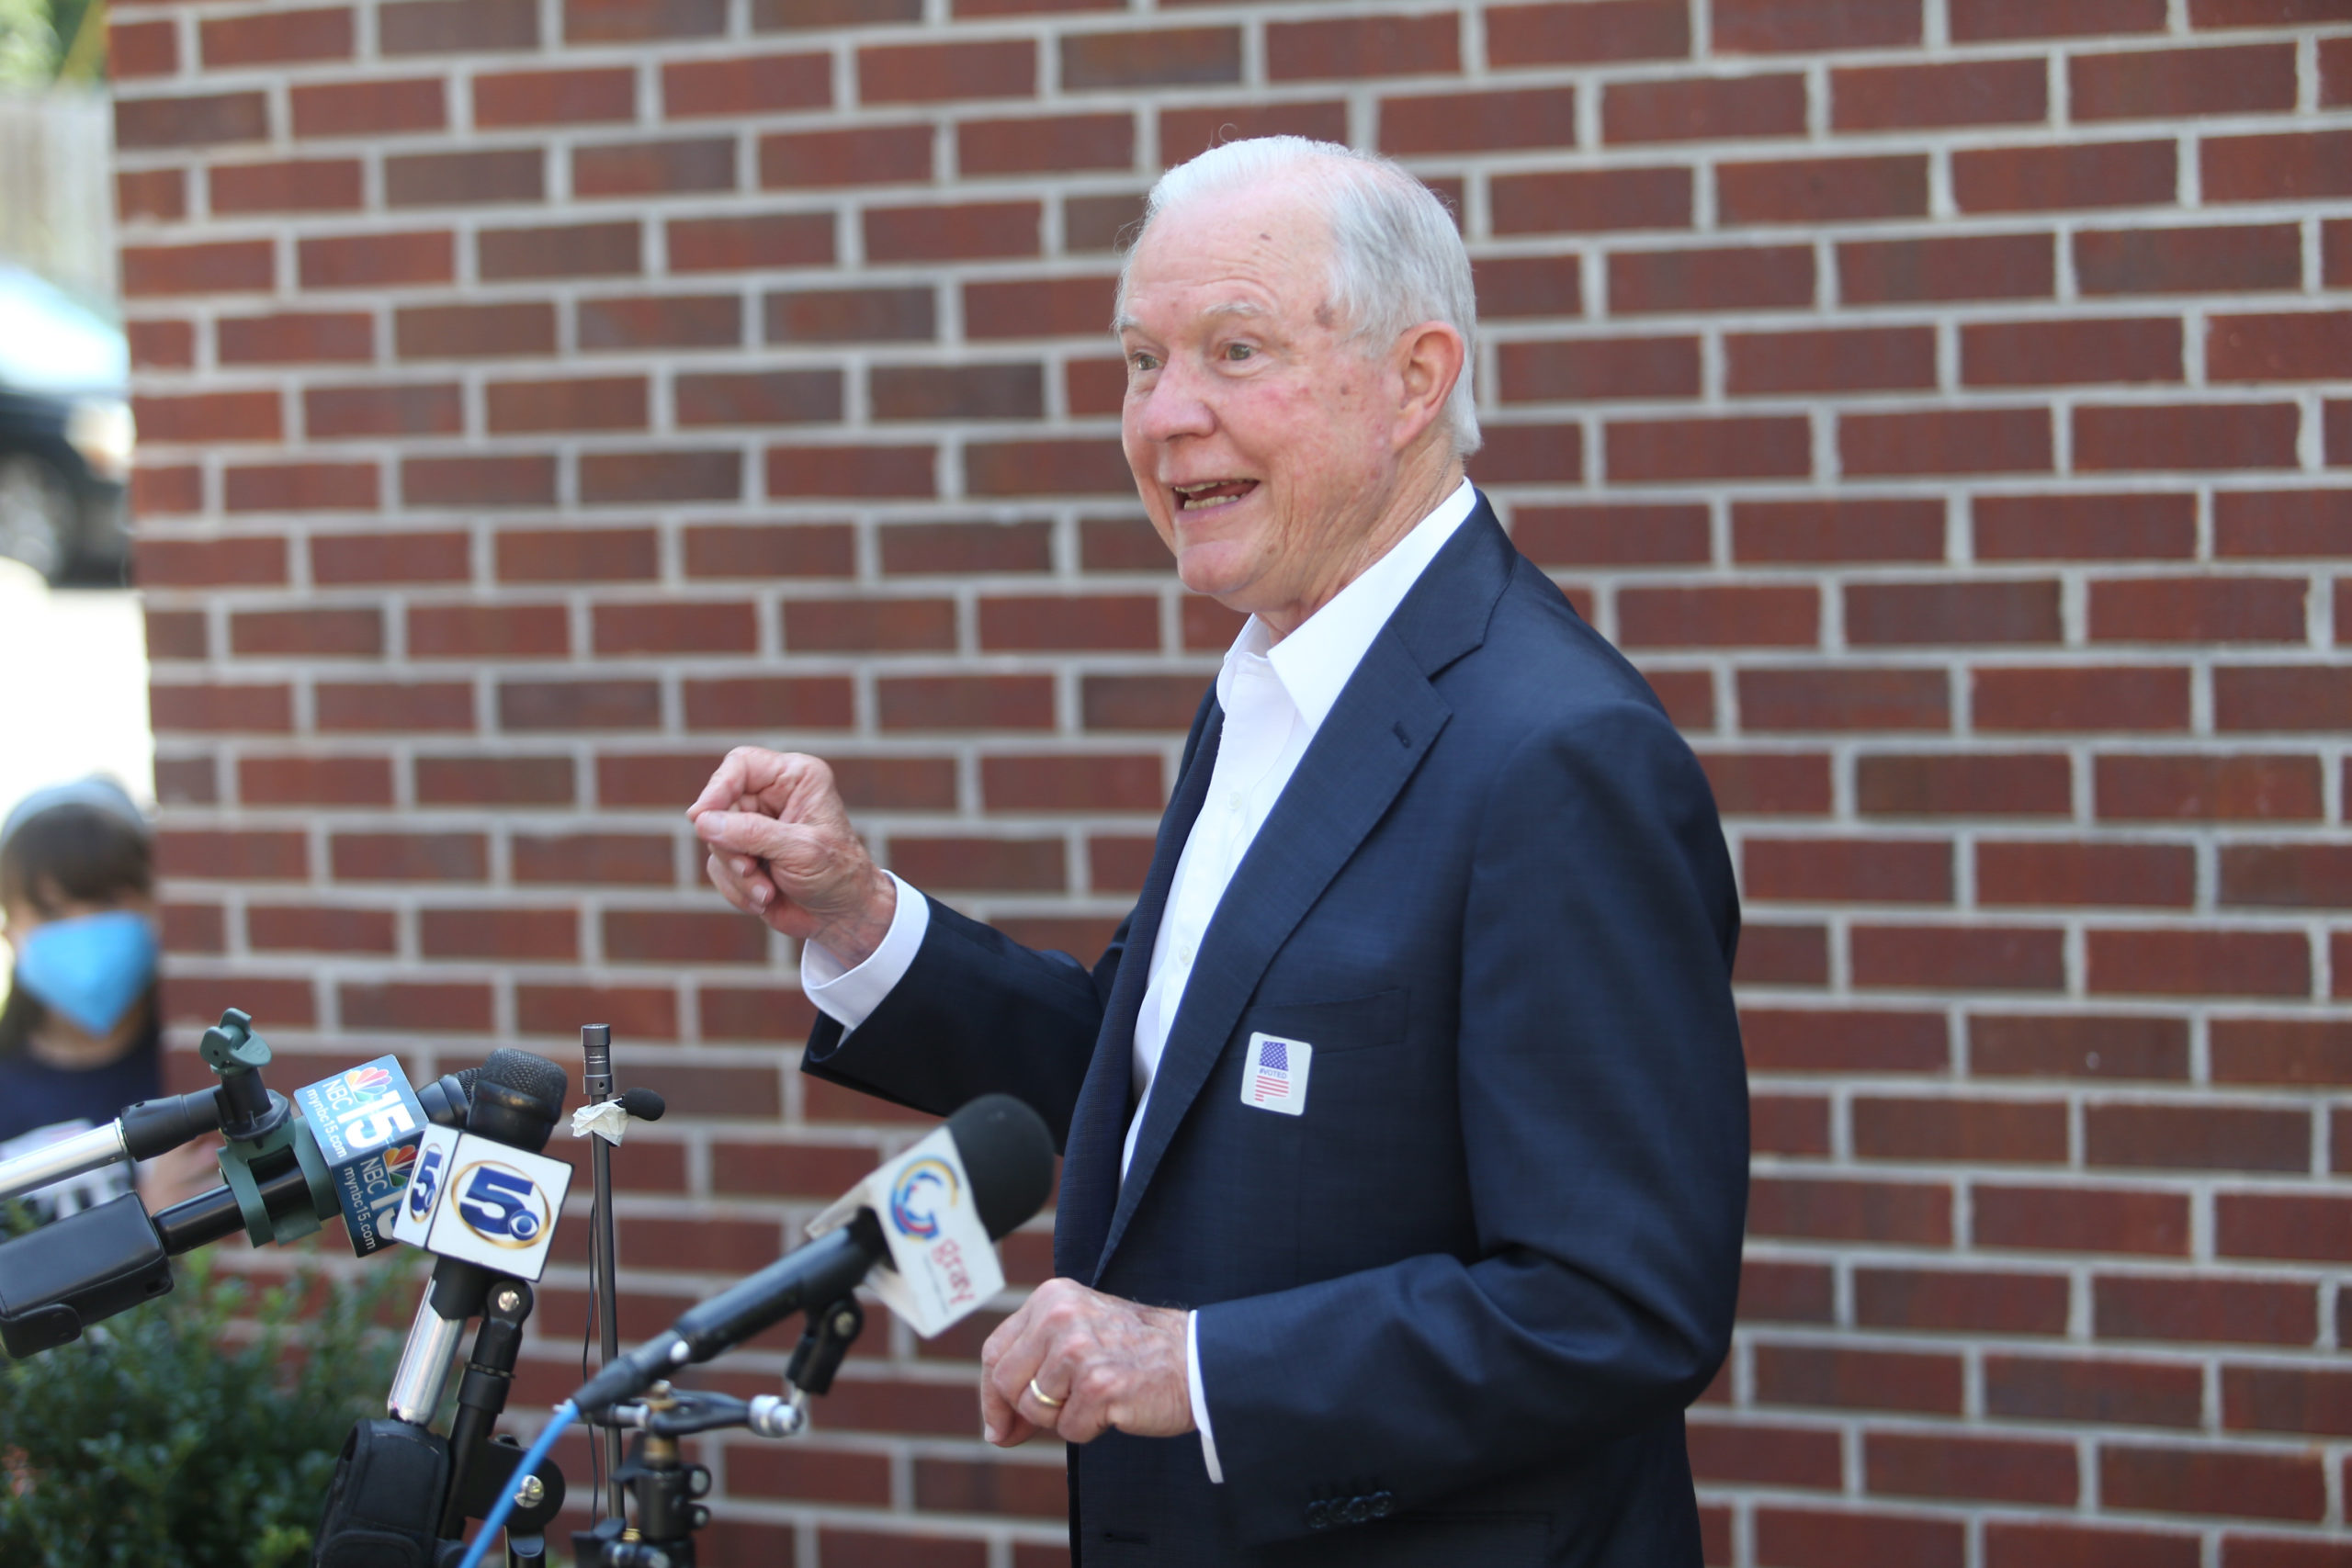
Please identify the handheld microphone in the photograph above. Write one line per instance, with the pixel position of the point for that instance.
(1007, 1157)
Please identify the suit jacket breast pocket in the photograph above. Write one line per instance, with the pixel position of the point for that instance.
(1243, 1166)
(1381, 1164)
(1342, 1024)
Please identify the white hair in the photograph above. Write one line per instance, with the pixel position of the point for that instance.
(1397, 259)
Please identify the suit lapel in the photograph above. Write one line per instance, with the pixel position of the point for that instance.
(1368, 747)
(1387, 717)
(1099, 1121)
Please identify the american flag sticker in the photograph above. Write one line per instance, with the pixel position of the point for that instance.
(1275, 1078)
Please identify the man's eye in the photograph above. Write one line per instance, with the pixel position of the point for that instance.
(1241, 351)
(1140, 362)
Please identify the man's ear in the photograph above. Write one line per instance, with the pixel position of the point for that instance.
(1429, 360)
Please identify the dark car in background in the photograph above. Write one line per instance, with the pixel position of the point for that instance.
(65, 435)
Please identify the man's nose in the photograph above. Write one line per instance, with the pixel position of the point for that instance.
(1175, 404)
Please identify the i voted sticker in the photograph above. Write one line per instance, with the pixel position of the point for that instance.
(1275, 1078)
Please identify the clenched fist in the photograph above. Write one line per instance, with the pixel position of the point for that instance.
(780, 847)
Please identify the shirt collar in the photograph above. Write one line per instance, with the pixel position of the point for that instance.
(1314, 661)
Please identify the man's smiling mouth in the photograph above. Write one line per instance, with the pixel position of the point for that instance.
(1211, 493)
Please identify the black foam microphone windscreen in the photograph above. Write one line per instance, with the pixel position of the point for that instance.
(1009, 1155)
(517, 1099)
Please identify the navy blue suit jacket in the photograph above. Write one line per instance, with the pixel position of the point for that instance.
(1452, 1313)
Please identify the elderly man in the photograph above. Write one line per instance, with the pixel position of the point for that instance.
(1404, 1122)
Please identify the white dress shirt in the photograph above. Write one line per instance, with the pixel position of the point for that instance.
(1275, 696)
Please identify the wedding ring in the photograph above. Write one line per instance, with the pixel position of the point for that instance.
(1042, 1397)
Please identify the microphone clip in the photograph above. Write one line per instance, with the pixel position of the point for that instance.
(823, 1344)
(250, 1111)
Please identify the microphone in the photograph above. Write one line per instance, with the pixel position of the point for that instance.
(484, 1201)
(283, 1180)
(280, 1201)
(604, 1121)
(1006, 1159)
(239, 1105)
(141, 1131)
(516, 1098)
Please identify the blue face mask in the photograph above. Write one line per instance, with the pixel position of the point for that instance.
(92, 968)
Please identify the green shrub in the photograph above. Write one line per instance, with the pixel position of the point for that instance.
(167, 1439)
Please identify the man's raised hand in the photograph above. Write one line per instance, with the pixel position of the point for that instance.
(780, 847)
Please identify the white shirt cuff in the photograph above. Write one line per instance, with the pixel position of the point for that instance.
(1200, 1399)
(850, 995)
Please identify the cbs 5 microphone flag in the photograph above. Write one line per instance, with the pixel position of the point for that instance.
(941, 1266)
(484, 1201)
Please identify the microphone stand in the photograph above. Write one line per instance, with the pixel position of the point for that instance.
(482, 1465)
(401, 1493)
(479, 1466)
(663, 1486)
(596, 1044)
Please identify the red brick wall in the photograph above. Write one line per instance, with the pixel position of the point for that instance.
(1948, 402)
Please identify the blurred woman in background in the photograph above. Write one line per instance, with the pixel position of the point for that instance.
(80, 1031)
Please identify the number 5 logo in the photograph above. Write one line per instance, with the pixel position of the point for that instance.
(424, 1185)
(501, 1205)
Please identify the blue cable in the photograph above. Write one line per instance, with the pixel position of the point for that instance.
(564, 1415)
